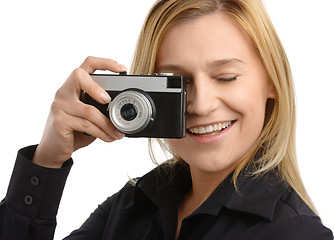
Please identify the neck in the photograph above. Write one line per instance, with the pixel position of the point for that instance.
(203, 184)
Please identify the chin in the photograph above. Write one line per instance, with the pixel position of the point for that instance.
(209, 163)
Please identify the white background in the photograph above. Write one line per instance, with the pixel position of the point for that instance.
(41, 42)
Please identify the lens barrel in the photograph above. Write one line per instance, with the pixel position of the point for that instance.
(131, 111)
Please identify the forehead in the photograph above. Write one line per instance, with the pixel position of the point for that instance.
(210, 37)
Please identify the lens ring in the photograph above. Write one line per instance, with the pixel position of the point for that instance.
(140, 101)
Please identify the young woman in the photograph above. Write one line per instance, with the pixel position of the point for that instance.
(234, 176)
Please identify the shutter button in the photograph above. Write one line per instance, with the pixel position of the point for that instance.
(34, 181)
(28, 200)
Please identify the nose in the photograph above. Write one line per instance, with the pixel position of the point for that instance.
(202, 96)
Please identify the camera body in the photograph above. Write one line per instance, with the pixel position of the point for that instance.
(144, 105)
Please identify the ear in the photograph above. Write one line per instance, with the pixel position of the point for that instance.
(272, 91)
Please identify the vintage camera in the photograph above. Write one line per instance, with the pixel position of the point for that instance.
(144, 105)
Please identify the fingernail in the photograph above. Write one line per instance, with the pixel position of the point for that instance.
(122, 67)
(119, 134)
(105, 97)
(110, 139)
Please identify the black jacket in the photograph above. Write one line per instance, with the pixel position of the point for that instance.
(265, 208)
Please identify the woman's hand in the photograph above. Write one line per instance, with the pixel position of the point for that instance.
(69, 117)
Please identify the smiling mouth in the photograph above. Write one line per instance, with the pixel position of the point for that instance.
(210, 130)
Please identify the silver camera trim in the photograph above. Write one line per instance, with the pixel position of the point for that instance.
(144, 111)
(151, 83)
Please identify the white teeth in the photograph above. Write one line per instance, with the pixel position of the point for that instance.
(201, 130)
(210, 128)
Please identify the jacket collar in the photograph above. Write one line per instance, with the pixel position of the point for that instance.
(165, 186)
(258, 196)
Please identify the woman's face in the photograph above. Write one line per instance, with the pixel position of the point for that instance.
(227, 91)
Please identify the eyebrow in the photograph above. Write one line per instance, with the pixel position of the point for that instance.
(170, 67)
(222, 62)
(213, 64)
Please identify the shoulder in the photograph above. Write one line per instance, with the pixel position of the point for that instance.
(123, 196)
(163, 184)
(295, 220)
(135, 186)
(300, 227)
(290, 205)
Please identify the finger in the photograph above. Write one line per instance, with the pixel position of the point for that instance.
(79, 81)
(93, 115)
(83, 125)
(91, 64)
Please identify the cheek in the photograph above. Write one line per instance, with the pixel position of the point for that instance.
(249, 102)
(248, 98)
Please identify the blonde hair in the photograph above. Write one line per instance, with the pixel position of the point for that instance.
(275, 148)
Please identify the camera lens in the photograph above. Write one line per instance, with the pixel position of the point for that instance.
(129, 112)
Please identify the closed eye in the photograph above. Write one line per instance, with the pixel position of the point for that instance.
(230, 79)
